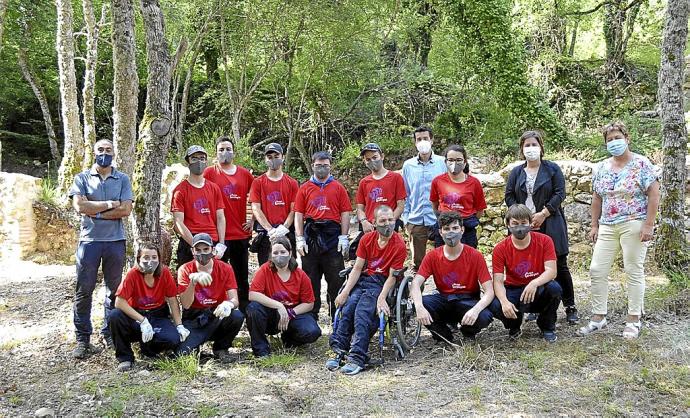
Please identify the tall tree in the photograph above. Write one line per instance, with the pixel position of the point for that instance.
(125, 84)
(73, 151)
(154, 128)
(672, 247)
(619, 24)
(3, 13)
(93, 30)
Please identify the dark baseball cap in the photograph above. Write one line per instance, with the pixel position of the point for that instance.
(372, 146)
(273, 147)
(202, 238)
(193, 150)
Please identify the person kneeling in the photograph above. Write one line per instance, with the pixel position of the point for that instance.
(281, 299)
(383, 251)
(458, 271)
(143, 304)
(524, 267)
(208, 292)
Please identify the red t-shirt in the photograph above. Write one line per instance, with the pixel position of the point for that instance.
(275, 197)
(139, 295)
(322, 204)
(199, 206)
(460, 276)
(212, 295)
(235, 189)
(467, 197)
(291, 293)
(373, 193)
(523, 266)
(381, 260)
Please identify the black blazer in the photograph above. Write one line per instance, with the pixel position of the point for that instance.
(549, 192)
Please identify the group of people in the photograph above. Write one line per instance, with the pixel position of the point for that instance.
(435, 198)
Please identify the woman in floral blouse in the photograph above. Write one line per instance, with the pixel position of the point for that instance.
(624, 206)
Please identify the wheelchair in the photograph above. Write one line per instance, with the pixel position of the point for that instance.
(402, 326)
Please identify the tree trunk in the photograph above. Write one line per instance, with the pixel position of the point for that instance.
(125, 85)
(89, 88)
(73, 152)
(3, 13)
(671, 250)
(41, 97)
(619, 24)
(154, 128)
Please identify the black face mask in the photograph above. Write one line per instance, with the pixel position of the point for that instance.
(520, 231)
(203, 259)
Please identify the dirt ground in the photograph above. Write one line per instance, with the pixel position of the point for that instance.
(599, 375)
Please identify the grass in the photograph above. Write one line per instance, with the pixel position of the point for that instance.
(207, 411)
(184, 367)
(282, 360)
(115, 396)
(49, 193)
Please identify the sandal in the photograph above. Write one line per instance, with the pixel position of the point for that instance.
(632, 330)
(592, 327)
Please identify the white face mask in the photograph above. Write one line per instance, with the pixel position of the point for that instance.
(532, 153)
(424, 146)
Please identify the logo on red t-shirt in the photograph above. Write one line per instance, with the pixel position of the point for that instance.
(452, 199)
(276, 198)
(376, 195)
(374, 264)
(280, 296)
(146, 301)
(319, 203)
(203, 296)
(450, 278)
(524, 268)
(229, 191)
(201, 205)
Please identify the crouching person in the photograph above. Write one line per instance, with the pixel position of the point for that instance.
(382, 252)
(208, 293)
(281, 299)
(143, 304)
(460, 272)
(524, 267)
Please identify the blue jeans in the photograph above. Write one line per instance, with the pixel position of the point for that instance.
(545, 303)
(359, 320)
(204, 326)
(90, 256)
(445, 309)
(262, 320)
(126, 330)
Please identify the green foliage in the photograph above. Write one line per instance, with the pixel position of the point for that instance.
(49, 193)
(283, 360)
(183, 367)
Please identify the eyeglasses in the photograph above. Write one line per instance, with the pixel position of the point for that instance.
(322, 166)
(455, 160)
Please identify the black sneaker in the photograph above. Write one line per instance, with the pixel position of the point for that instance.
(223, 356)
(108, 342)
(514, 333)
(124, 366)
(571, 315)
(531, 317)
(84, 350)
(549, 336)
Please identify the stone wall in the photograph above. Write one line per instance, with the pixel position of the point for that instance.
(17, 222)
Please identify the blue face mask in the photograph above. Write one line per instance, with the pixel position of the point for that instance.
(616, 147)
(104, 160)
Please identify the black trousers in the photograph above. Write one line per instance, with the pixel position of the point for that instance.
(237, 255)
(565, 279)
(327, 266)
(545, 303)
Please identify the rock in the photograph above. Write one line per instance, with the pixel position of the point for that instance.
(144, 373)
(17, 223)
(491, 180)
(172, 176)
(494, 196)
(583, 198)
(580, 168)
(490, 228)
(505, 172)
(44, 412)
(569, 186)
(493, 211)
(585, 184)
(577, 214)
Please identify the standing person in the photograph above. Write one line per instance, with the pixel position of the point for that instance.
(197, 207)
(281, 301)
(459, 273)
(380, 254)
(624, 206)
(102, 196)
(418, 215)
(322, 223)
(458, 191)
(145, 301)
(208, 293)
(273, 201)
(524, 267)
(234, 182)
(539, 184)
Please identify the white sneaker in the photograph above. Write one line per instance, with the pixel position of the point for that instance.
(632, 330)
(592, 327)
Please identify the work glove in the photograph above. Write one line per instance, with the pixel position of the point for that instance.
(224, 309)
(344, 245)
(301, 245)
(280, 231)
(146, 330)
(201, 277)
(220, 250)
(184, 332)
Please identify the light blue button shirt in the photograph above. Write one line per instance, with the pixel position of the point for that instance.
(115, 187)
(418, 176)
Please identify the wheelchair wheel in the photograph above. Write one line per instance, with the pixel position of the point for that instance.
(405, 317)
